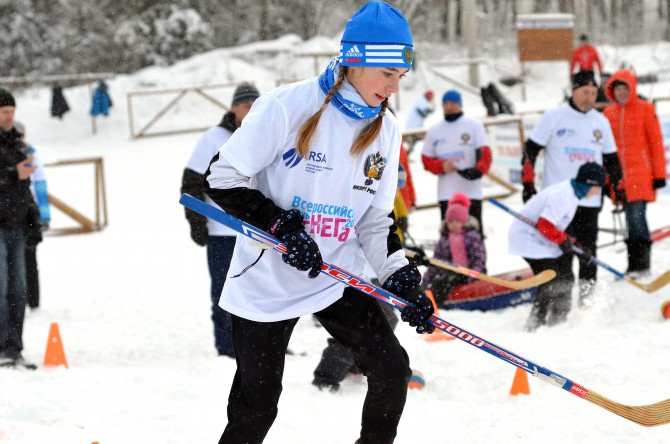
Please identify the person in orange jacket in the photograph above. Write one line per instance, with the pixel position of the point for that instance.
(640, 146)
(585, 57)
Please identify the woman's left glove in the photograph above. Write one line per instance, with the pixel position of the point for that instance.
(303, 252)
(405, 283)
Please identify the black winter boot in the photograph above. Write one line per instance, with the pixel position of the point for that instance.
(639, 257)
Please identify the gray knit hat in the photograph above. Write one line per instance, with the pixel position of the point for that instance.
(6, 98)
(245, 92)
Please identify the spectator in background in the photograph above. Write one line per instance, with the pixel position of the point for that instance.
(571, 135)
(640, 144)
(220, 240)
(585, 58)
(33, 233)
(18, 212)
(460, 244)
(422, 106)
(547, 246)
(457, 151)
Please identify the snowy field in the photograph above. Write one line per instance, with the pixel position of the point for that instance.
(132, 301)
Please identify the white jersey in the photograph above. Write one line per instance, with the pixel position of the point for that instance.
(345, 200)
(557, 204)
(205, 148)
(456, 142)
(422, 107)
(571, 139)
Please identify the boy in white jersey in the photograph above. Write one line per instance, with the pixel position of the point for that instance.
(324, 157)
(572, 135)
(547, 245)
(457, 150)
(220, 241)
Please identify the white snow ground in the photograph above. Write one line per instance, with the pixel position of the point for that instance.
(132, 301)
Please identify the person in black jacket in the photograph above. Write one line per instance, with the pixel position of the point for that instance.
(18, 212)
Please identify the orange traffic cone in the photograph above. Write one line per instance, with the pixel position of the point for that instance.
(55, 354)
(520, 384)
(438, 335)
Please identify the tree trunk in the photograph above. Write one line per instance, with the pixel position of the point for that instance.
(459, 19)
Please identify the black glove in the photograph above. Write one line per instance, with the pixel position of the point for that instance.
(659, 183)
(33, 229)
(528, 191)
(586, 256)
(199, 233)
(566, 246)
(303, 252)
(620, 197)
(420, 257)
(405, 284)
(402, 224)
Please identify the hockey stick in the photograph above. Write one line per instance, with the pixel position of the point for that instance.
(651, 287)
(648, 415)
(522, 284)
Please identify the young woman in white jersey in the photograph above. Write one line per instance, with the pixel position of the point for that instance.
(324, 157)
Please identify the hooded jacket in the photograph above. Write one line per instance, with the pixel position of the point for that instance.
(638, 138)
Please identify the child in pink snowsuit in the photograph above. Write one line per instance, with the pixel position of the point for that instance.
(460, 244)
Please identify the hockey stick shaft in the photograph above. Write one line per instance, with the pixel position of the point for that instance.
(384, 296)
(656, 284)
(522, 284)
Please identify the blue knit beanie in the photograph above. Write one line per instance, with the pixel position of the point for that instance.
(377, 35)
(452, 96)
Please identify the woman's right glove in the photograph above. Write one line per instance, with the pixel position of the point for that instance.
(405, 283)
(303, 252)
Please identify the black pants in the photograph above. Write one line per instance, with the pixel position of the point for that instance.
(337, 361)
(32, 276)
(475, 211)
(553, 300)
(584, 228)
(355, 321)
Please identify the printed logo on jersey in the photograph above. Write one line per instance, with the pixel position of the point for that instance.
(373, 168)
(597, 135)
(353, 55)
(324, 219)
(465, 138)
(316, 161)
(581, 155)
(454, 156)
(291, 158)
(565, 132)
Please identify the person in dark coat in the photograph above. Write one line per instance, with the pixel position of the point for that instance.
(59, 105)
(18, 212)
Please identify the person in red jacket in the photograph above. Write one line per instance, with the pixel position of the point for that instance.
(585, 57)
(640, 146)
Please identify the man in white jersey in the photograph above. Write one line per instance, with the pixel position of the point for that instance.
(457, 151)
(572, 135)
(220, 240)
(324, 156)
(547, 246)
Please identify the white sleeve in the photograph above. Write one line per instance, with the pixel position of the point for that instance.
(205, 148)
(255, 144)
(373, 232)
(480, 135)
(427, 149)
(543, 130)
(225, 176)
(609, 145)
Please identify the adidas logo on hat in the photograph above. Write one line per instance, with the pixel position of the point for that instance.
(353, 55)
